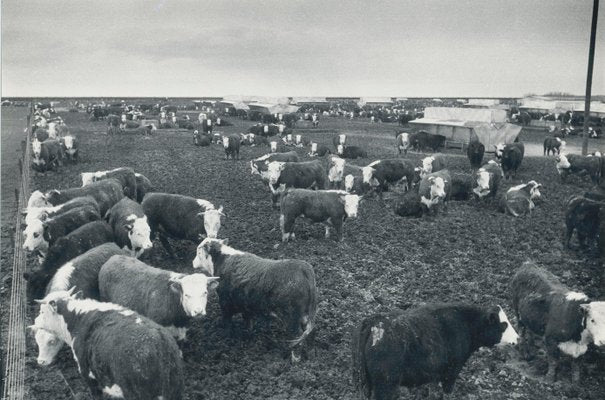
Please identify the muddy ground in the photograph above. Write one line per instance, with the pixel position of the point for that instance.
(384, 261)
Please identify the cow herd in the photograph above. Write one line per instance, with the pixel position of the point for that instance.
(123, 318)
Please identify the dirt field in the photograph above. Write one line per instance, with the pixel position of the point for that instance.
(385, 261)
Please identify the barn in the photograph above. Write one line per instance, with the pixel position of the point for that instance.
(458, 125)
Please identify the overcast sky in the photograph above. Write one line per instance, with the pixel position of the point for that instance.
(298, 48)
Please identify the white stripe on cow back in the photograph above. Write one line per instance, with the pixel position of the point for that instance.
(205, 203)
(61, 280)
(575, 296)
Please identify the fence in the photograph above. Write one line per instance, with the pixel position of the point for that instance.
(14, 374)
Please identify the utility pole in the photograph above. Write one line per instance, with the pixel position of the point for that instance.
(593, 36)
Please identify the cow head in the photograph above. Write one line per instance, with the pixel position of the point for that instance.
(225, 142)
(37, 199)
(562, 162)
(212, 221)
(34, 237)
(368, 176)
(436, 192)
(340, 149)
(351, 203)
(52, 130)
(36, 147)
(534, 192)
(123, 117)
(594, 320)
(274, 171)
(349, 182)
(289, 138)
(342, 138)
(298, 139)
(87, 178)
(69, 142)
(482, 178)
(204, 252)
(313, 148)
(273, 145)
(139, 234)
(193, 292)
(497, 329)
(499, 148)
(48, 345)
(337, 168)
(427, 165)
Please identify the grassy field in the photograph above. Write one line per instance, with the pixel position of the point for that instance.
(385, 261)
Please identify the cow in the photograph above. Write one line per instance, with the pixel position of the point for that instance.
(422, 140)
(351, 151)
(433, 163)
(408, 205)
(102, 337)
(583, 215)
(106, 193)
(519, 200)
(487, 180)
(581, 165)
(181, 217)
(339, 139)
(301, 141)
(567, 320)
(435, 189)
(461, 187)
(66, 248)
(260, 287)
(168, 298)
(40, 135)
(39, 236)
(129, 225)
(304, 175)
(379, 174)
(124, 175)
(319, 150)
(47, 154)
(336, 168)
(402, 140)
(80, 273)
(231, 144)
(42, 213)
(499, 149)
(144, 186)
(200, 139)
(70, 146)
(259, 165)
(552, 144)
(353, 179)
(512, 156)
(329, 207)
(423, 344)
(475, 152)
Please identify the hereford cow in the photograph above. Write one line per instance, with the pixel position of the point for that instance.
(351, 152)
(144, 186)
(319, 150)
(487, 180)
(124, 175)
(402, 141)
(435, 189)
(519, 200)
(379, 174)
(231, 145)
(129, 225)
(47, 154)
(43, 213)
(340, 139)
(305, 175)
(433, 163)
(260, 165)
(70, 147)
(581, 165)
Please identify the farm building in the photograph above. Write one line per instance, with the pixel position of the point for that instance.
(544, 104)
(375, 101)
(267, 108)
(458, 125)
(310, 101)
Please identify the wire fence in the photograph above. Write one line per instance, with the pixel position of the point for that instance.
(14, 374)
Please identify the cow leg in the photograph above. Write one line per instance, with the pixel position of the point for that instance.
(384, 389)
(575, 370)
(568, 234)
(166, 245)
(287, 227)
(337, 223)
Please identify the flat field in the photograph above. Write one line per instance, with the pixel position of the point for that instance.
(385, 261)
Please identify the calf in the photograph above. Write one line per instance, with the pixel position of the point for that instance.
(568, 321)
(260, 165)
(181, 217)
(47, 154)
(582, 165)
(429, 343)
(304, 175)
(200, 139)
(433, 163)
(379, 174)
(552, 144)
(475, 152)
(351, 152)
(43, 213)
(231, 144)
(260, 287)
(519, 200)
(102, 337)
(462, 187)
(434, 189)
(129, 225)
(81, 273)
(408, 205)
(124, 175)
(144, 186)
(66, 248)
(70, 147)
(583, 215)
(330, 207)
(501, 146)
(487, 180)
(106, 193)
(402, 141)
(168, 298)
(512, 156)
(319, 150)
(41, 235)
(340, 139)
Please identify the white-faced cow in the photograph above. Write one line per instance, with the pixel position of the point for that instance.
(304, 175)
(435, 189)
(124, 175)
(379, 174)
(519, 200)
(130, 228)
(581, 165)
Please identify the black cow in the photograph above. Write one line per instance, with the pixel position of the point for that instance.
(583, 215)
(351, 152)
(475, 152)
(422, 140)
(552, 144)
(512, 156)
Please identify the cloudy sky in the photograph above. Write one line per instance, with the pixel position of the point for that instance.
(298, 48)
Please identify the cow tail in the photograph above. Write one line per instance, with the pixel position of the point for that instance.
(361, 380)
(308, 320)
